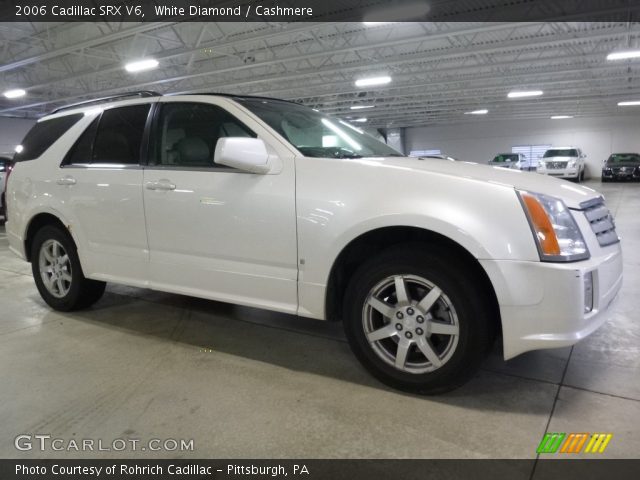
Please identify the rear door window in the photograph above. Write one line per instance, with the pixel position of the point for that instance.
(80, 153)
(119, 136)
(44, 134)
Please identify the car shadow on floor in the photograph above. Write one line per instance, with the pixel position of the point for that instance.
(288, 342)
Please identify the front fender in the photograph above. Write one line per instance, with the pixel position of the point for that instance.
(339, 201)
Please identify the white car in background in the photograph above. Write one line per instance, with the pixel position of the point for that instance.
(563, 162)
(517, 161)
(270, 204)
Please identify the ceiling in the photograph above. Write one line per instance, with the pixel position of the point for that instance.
(439, 70)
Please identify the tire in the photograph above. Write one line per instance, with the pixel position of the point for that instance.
(54, 257)
(577, 179)
(466, 327)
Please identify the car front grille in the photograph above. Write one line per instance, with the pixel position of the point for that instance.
(556, 164)
(624, 170)
(601, 221)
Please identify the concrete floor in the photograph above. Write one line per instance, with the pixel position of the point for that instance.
(248, 383)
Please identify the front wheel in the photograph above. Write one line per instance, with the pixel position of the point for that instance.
(58, 274)
(416, 320)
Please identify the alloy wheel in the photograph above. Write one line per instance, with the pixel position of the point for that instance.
(410, 323)
(55, 268)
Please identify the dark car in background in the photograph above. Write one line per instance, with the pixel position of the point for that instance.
(621, 166)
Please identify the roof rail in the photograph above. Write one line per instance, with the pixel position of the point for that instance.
(233, 95)
(110, 98)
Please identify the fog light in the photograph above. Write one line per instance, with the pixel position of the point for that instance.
(588, 292)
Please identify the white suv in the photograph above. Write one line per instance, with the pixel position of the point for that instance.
(270, 204)
(563, 162)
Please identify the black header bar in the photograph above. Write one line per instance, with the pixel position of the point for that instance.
(317, 10)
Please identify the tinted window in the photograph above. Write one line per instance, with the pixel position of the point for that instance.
(566, 152)
(508, 157)
(624, 158)
(43, 134)
(81, 151)
(119, 135)
(3, 165)
(189, 132)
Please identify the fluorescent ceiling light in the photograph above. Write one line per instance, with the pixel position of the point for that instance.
(368, 82)
(525, 93)
(360, 120)
(629, 103)
(351, 127)
(360, 107)
(560, 117)
(342, 134)
(483, 111)
(141, 65)
(624, 55)
(375, 24)
(18, 92)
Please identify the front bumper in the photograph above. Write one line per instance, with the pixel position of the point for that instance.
(629, 174)
(560, 172)
(542, 305)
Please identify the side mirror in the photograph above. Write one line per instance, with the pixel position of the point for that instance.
(247, 154)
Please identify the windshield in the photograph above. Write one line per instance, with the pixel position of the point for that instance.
(561, 152)
(315, 134)
(506, 157)
(624, 157)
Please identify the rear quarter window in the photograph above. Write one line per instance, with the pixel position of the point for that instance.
(44, 134)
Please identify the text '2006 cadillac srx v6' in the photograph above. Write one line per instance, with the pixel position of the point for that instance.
(270, 204)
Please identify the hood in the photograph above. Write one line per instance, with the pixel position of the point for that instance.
(621, 164)
(572, 194)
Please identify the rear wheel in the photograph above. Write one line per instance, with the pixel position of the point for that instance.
(415, 319)
(58, 274)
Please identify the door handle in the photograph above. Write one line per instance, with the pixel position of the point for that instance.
(160, 185)
(66, 181)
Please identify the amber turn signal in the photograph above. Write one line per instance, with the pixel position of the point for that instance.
(541, 225)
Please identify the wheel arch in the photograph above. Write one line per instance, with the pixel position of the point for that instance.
(36, 223)
(377, 240)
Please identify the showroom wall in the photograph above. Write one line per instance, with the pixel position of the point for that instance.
(12, 130)
(481, 139)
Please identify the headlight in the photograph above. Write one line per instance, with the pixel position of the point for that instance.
(556, 233)
(541, 165)
(571, 164)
